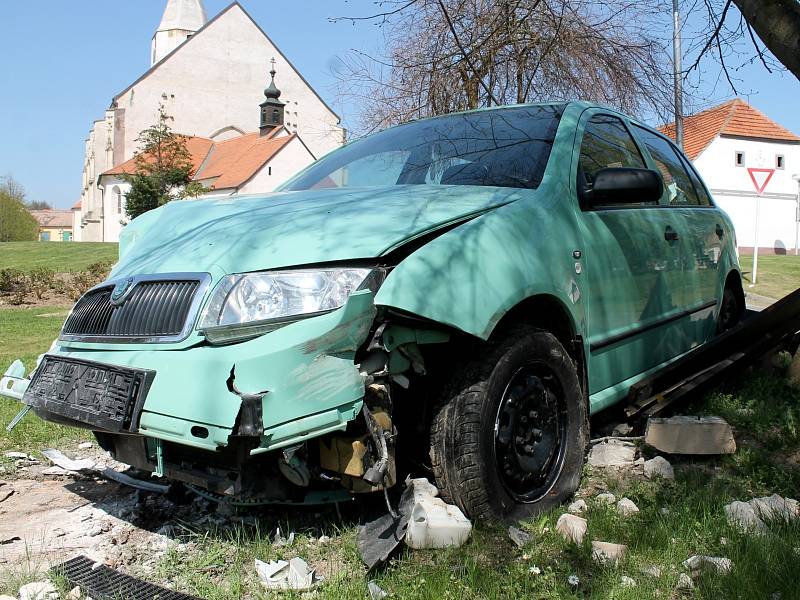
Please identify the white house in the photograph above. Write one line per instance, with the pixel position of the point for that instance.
(210, 76)
(246, 164)
(748, 161)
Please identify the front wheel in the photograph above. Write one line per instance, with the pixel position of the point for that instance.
(508, 440)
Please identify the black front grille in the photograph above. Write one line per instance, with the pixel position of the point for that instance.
(152, 309)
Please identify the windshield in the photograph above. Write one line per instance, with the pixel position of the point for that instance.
(502, 147)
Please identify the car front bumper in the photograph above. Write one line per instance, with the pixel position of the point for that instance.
(307, 370)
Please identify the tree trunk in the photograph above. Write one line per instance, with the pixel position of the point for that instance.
(777, 23)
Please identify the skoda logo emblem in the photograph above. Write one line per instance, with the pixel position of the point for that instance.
(120, 291)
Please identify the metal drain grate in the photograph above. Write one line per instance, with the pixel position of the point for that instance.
(103, 583)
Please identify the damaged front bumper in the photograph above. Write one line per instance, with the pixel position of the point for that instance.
(210, 410)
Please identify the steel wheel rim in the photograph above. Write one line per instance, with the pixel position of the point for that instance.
(530, 433)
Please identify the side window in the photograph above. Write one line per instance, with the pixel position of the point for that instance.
(606, 143)
(702, 193)
(678, 187)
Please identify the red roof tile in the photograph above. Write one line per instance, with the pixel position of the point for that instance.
(735, 118)
(226, 164)
(77, 205)
(198, 148)
(52, 218)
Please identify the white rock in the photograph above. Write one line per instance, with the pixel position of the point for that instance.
(607, 553)
(519, 537)
(613, 453)
(696, 563)
(85, 445)
(690, 435)
(4, 597)
(652, 571)
(774, 507)
(743, 516)
(685, 582)
(607, 498)
(627, 581)
(621, 430)
(75, 593)
(626, 507)
(658, 467)
(664, 510)
(18, 455)
(572, 528)
(38, 590)
(578, 507)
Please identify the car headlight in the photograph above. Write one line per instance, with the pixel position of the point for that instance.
(251, 304)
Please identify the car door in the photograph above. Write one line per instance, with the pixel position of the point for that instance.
(701, 240)
(631, 258)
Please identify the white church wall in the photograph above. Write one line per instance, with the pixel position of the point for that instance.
(734, 192)
(206, 89)
(291, 159)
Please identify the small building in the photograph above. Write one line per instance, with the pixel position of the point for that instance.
(751, 164)
(247, 164)
(54, 225)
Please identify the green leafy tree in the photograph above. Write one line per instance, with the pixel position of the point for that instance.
(16, 223)
(163, 169)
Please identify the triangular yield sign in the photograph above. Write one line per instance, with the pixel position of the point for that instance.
(764, 175)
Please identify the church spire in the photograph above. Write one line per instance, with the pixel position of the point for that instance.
(271, 108)
(180, 20)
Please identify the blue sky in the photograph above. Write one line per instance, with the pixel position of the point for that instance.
(62, 61)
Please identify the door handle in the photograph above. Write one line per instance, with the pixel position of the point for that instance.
(670, 234)
(719, 231)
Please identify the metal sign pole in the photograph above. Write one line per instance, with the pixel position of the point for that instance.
(755, 247)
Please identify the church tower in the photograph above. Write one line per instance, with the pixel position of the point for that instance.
(271, 108)
(181, 19)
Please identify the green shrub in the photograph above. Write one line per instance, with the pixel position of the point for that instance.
(14, 284)
(41, 280)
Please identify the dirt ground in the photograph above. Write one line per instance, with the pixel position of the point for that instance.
(51, 518)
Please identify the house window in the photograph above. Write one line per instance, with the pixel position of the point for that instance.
(118, 196)
(739, 159)
(780, 162)
(269, 170)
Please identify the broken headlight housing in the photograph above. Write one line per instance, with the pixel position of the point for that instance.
(251, 304)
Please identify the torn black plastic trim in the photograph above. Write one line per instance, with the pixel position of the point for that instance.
(250, 422)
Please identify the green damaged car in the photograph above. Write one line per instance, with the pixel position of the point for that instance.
(452, 297)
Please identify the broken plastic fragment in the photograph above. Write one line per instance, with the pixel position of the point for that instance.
(375, 592)
(57, 458)
(282, 575)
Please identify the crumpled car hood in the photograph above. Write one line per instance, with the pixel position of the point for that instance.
(250, 233)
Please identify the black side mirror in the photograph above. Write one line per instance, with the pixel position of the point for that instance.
(625, 185)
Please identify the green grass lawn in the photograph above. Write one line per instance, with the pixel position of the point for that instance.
(777, 275)
(25, 333)
(61, 257)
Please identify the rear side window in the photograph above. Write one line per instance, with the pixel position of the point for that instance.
(702, 193)
(607, 143)
(679, 190)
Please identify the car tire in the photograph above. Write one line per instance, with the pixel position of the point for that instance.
(508, 440)
(730, 313)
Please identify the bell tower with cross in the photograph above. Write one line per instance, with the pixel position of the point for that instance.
(272, 108)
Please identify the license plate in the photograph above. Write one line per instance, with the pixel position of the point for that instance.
(104, 396)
